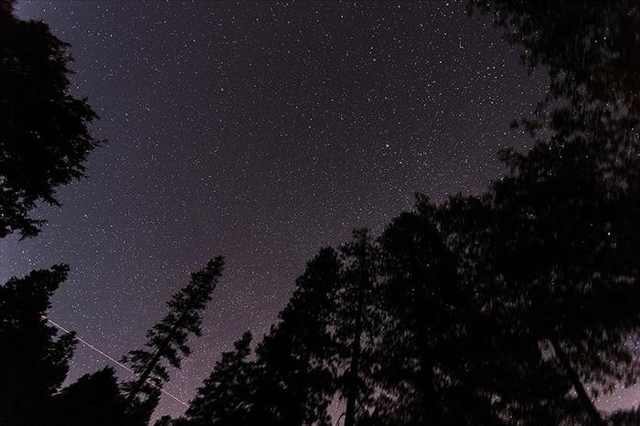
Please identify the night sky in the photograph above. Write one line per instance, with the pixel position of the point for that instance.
(259, 131)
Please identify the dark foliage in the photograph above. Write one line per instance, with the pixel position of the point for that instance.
(429, 351)
(295, 369)
(95, 399)
(44, 139)
(167, 341)
(357, 324)
(588, 45)
(226, 397)
(33, 359)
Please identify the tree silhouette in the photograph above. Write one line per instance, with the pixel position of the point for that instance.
(291, 380)
(44, 139)
(95, 399)
(563, 242)
(424, 359)
(167, 340)
(590, 50)
(33, 360)
(355, 322)
(563, 234)
(503, 362)
(227, 395)
(296, 377)
(591, 54)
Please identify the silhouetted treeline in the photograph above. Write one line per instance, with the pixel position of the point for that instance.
(44, 142)
(45, 139)
(512, 307)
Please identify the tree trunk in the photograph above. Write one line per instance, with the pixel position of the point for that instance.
(354, 367)
(583, 396)
(142, 380)
(356, 352)
(352, 390)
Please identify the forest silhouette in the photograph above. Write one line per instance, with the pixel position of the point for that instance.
(510, 307)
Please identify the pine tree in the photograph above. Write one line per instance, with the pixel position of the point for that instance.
(296, 360)
(292, 379)
(227, 396)
(33, 361)
(167, 340)
(95, 399)
(44, 135)
(562, 243)
(428, 348)
(502, 361)
(589, 50)
(564, 237)
(355, 322)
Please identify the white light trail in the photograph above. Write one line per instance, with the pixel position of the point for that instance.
(115, 361)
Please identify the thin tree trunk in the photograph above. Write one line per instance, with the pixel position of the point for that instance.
(143, 379)
(352, 392)
(354, 367)
(356, 353)
(573, 377)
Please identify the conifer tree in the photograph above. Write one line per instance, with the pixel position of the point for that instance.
(296, 361)
(227, 396)
(44, 135)
(589, 49)
(563, 235)
(432, 355)
(562, 243)
(355, 322)
(292, 380)
(167, 341)
(502, 361)
(419, 273)
(33, 360)
(94, 399)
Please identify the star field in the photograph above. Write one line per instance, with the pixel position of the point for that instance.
(260, 131)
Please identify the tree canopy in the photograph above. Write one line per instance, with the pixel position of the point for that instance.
(34, 360)
(45, 137)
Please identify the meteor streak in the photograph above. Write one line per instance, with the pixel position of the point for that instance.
(113, 360)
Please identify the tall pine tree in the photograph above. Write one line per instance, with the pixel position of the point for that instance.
(296, 359)
(167, 340)
(292, 379)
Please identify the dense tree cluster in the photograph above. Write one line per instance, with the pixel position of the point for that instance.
(44, 140)
(34, 359)
(30, 345)
(513, 307)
